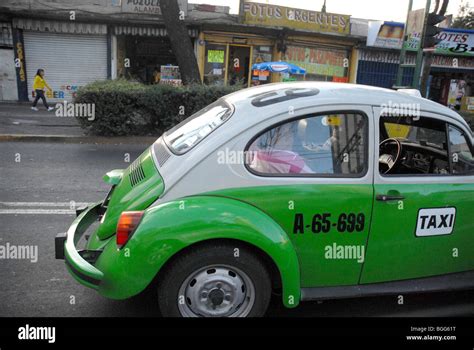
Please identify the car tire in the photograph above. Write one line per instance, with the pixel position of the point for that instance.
(215, 280)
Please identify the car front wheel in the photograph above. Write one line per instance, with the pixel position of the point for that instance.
(215, 280)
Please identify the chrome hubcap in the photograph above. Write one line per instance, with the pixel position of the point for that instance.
(216, 291)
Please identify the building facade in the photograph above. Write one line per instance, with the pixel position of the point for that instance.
(451, 77)
(109, 39)
(124, 39)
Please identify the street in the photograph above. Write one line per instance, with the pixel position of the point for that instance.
(39, 181)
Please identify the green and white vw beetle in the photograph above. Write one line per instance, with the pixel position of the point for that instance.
(305, 190)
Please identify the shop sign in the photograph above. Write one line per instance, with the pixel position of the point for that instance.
(280, 16)
(20, 67)
(215, 56)
(66, 91)
(170, 75)
(455, 41)
(453, 62)
(458, 42)
(150, 7)
(317, 61)
(415, 24)
(385, 34)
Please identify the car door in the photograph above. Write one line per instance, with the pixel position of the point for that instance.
(312, 174)
(422, 223)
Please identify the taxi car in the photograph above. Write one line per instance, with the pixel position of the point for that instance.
(305, 190)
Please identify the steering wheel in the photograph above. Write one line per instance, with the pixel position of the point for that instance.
(390, 151)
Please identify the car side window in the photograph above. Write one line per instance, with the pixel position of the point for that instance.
(324, 145)
(413, 147)
(462, 159)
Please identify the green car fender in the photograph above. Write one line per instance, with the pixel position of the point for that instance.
(168, 228)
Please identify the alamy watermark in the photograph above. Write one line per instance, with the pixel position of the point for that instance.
(345, 252)
(19, 252)
(78, 110)
(395, 109)
(231, 157)
(37, 333)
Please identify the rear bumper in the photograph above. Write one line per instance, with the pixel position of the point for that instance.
(65, 245)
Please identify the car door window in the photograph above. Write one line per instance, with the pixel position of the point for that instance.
(461, 155)
(326, 145)
(413, 147)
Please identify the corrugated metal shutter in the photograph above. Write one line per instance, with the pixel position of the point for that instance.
(69, 60)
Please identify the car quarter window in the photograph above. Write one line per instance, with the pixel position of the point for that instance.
(460, 152)
(333, 144)
(187, 134)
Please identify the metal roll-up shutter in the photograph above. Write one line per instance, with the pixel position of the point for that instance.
(69, 60)
(381, 74)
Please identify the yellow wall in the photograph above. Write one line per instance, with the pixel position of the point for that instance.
(201, 53)
(226, 38)
(353, 65)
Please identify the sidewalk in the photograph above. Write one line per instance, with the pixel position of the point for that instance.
(19, 123)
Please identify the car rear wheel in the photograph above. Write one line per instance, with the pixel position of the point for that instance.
(215, 280)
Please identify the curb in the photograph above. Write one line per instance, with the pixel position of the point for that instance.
(78, 139)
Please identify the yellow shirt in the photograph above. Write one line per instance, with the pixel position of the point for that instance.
(39, 83)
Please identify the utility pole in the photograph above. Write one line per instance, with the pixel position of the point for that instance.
(403, 51)
(419, 53)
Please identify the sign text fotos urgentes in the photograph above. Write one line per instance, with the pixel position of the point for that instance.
(280, 16)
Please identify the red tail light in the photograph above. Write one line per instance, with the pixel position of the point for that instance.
(127, 224)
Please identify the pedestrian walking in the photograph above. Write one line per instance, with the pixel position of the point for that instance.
(39, 84)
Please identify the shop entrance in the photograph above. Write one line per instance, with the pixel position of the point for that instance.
(238, 64)
(449, 88)
(145, 57)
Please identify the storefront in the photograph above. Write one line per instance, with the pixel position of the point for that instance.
(142, 51)
(451, 80)
(72, 54)
(318, 42)
(226, 58)
(451, 77)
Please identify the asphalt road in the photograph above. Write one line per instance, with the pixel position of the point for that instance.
(38, 180)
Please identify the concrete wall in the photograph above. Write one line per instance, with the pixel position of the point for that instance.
(8, 87)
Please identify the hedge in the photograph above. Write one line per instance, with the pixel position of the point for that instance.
(124, 108)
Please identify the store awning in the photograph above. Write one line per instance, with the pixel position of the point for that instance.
(148, 31)
(71, 27)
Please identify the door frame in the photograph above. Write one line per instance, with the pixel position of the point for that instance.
(226, 73)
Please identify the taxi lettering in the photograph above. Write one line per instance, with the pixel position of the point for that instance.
(437, 221)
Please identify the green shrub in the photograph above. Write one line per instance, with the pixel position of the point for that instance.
(124, 108)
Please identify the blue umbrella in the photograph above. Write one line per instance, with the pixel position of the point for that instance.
(279, 67)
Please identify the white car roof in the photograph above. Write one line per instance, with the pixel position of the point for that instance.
(332, 94)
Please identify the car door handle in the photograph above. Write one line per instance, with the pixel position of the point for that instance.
(387, 198)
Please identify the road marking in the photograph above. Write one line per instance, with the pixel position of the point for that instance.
(38, 211)
(44, 204)
(39, 208)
